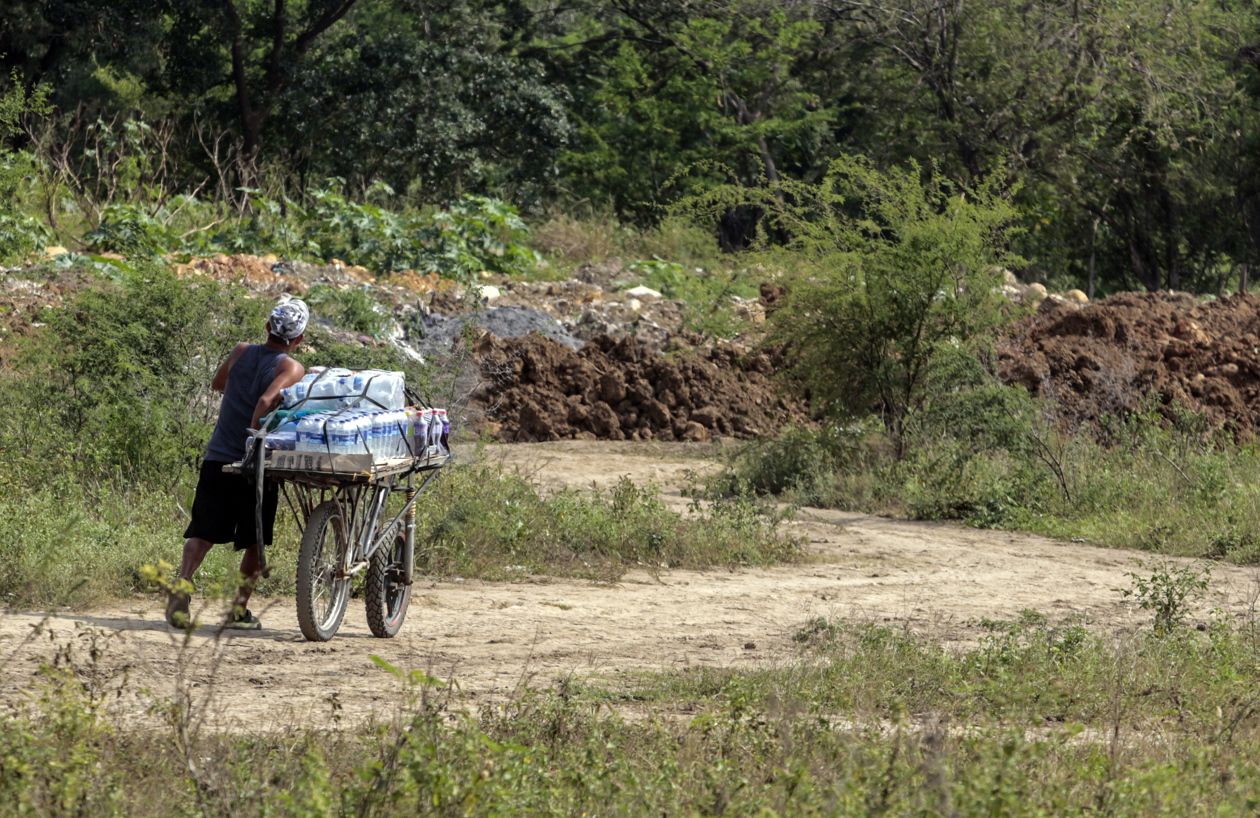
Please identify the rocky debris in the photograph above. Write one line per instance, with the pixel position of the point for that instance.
(261, 275)
(1035, 293)
(440, 331)
(586, 310)
(22, 300)
(536, 389)
(771, 295)
(1105, 358)
(603, 274)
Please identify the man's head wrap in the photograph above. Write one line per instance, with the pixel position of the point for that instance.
(288, 320)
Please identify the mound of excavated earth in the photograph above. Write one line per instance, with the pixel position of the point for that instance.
(1106, 357)
(537, 389)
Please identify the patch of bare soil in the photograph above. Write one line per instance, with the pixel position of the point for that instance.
(1106, 357)
(494, 638)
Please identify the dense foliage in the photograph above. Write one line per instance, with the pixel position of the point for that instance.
(893, 288)
(1124, 131)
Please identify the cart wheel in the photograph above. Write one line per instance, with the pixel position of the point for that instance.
(321, 595)
(385, 594)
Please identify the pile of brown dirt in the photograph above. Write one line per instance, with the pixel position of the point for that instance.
(537, 390)
(255, 273)
(1106, 357)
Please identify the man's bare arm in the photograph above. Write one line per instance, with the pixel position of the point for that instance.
(219, 382)
(288, 373)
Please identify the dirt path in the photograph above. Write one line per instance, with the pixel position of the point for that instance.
(494, 637)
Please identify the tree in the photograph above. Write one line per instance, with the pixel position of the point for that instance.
(1098, 110)
(674, 97)
(253, 45)
(894, 284)
(435, 116)
(20, 233)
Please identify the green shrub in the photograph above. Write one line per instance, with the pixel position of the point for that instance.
(134, 232)
(986, 458)
(20, 233)
(800, 463)
(77, 545)
(351, 309)
(476, 233)
(120, 377)
(895, 287)
(479, 521)
(1168, 591)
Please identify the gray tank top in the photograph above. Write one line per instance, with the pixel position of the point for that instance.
(247, 380)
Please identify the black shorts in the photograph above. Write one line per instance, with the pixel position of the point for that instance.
(223, 510)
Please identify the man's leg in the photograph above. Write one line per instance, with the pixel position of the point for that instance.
(195, 551)
(251, 572)
(252, 558)
(178, 601)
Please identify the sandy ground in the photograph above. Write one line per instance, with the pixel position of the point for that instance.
(493, 639)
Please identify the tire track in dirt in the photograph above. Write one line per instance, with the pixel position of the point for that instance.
(493, 638)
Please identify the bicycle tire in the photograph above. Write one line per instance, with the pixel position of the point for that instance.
(384, 593)
(321, 596)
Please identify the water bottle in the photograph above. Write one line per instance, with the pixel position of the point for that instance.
(414, 445)
(362, 441)
(347, 432)
(435, 433)
(294, 394)
(331, 431)
(420, 433)
(404, 433)
(445, 439)
(310, 434)
(350, 435)
(388, 434)
(423, 421)
(363, 427)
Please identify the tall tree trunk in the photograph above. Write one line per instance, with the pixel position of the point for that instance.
(1092, 237)
(1172, 256)
(253, 109)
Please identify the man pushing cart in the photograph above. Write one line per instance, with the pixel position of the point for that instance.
(338, 445)
(251, 380)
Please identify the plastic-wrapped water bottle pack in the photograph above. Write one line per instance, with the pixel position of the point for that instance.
(336, 388)
(340, 411)
(383, 433)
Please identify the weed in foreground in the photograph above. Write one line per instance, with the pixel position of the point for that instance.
(1169, 591)
(1035, 718)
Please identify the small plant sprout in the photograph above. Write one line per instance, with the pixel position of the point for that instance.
(1169, 591)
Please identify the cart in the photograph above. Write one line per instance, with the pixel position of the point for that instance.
(339, 501)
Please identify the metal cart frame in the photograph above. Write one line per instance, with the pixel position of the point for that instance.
(343, 496)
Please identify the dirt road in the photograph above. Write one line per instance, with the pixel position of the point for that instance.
(493, 638)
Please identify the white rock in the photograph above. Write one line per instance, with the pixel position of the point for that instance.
(489, 292)
(643, 292)
(634, 304)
